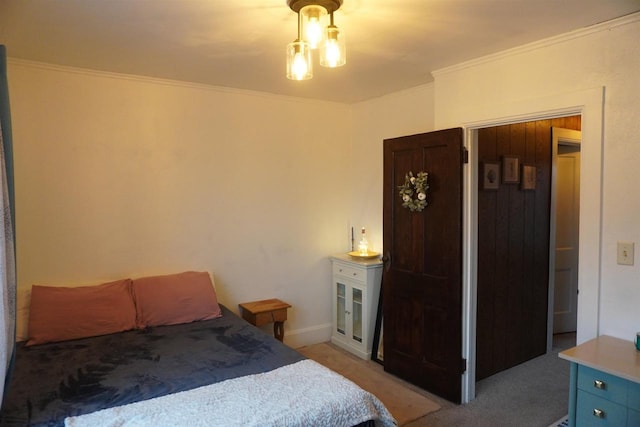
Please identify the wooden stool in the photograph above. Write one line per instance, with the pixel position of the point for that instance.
(260, 313)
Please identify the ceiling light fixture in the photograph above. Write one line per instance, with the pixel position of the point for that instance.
(313, 33)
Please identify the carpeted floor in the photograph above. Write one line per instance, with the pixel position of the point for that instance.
(402, 401)
(533, 394)
(562, 422)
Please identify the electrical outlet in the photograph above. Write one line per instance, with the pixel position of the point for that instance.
(625, 253)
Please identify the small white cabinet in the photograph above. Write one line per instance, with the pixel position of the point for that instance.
(356, 289)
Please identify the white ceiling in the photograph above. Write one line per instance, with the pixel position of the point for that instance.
(391, 44)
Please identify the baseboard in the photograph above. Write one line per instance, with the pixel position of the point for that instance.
(361, 354)
(308, 336)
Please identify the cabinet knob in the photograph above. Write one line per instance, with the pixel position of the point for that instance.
(600, 385)
(355, 274)
(598, 413)
(340, 270)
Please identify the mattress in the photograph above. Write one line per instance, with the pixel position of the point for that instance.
(53, 381)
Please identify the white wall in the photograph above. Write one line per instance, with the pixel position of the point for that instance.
(592, 72)
(124, 177)
(569, 72)
(399, 114)
(107, 166)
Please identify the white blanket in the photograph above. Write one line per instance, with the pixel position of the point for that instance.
(301, 394)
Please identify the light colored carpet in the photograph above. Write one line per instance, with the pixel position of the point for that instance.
(404, 404)
(532, 394)
(562, 422)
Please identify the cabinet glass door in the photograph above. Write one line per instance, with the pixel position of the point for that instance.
(357, 314)
(341, 305)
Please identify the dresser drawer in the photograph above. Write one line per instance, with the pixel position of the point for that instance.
(633, 417)
(634, 397)
(346, 271)
(596, 411)
(602, 385)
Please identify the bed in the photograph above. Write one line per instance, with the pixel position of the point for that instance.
(216, 370)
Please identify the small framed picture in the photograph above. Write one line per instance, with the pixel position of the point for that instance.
(510, 169)
(490, 176)
(528, 177)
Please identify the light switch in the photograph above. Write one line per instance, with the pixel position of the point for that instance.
(625, 253)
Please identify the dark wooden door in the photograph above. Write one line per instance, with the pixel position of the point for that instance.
(422, 282)
(513, 248)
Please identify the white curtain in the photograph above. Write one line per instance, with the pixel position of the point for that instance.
(7, 275)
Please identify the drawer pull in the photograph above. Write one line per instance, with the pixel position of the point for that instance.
(600, 385)
(355, 274)
(598, 413)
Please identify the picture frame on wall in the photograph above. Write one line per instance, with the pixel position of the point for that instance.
(510, 169)
(490, 176)
(529, 175)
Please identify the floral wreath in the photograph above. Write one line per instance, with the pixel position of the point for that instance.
(414, 185)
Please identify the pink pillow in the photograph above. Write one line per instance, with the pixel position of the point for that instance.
(175, 298)
(63, 313)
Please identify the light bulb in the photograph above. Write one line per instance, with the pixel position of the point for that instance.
(314, 32)
(332, 54)
(299, 65)
(333, 51)
(313, 24)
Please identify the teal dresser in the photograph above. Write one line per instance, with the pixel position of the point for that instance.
(605, 383)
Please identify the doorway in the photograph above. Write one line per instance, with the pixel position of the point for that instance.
(589, 104)
(513, 253)
(565, 203)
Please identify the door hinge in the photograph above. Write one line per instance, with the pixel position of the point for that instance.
(463, 366)
(465, 155)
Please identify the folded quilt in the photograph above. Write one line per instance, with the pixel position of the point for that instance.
(301, 394)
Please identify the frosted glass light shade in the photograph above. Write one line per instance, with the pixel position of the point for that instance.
(314, 22)
(299, 65)
(333, 51)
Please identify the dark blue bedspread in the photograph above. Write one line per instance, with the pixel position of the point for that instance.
(53, 381)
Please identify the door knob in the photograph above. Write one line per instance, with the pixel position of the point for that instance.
(386, 259)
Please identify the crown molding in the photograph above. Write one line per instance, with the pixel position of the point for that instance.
(562, 38)
(158, 81)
